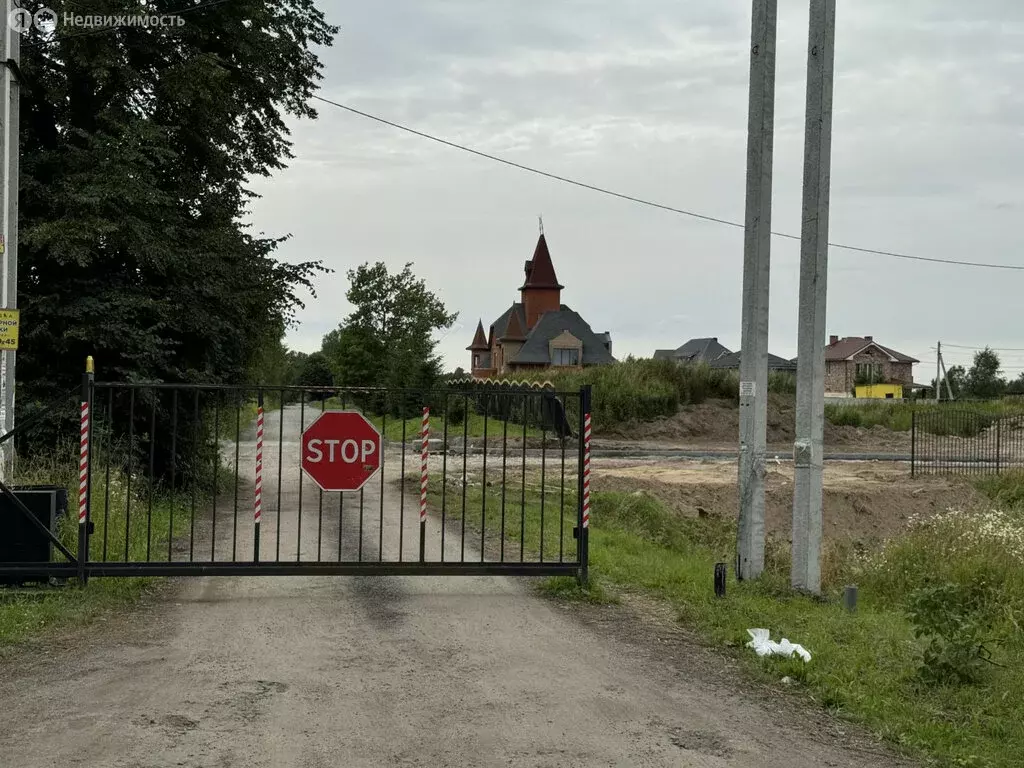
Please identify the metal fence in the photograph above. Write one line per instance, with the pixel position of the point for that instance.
(964, 441)
(182, 480)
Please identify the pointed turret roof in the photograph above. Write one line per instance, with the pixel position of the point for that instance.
(540, 272)
(514, 331)
(479, 340)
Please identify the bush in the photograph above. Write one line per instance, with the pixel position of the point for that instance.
(646, 389)
(956, 620)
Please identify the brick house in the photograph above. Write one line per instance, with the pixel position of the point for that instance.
(861, 359)
(538, 331)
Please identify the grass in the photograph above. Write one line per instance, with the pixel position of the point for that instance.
(472, 426)
(865, 665)
(143, 528)
(898, 417)
(643, 389)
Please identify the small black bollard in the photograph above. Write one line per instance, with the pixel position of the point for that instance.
(720, 573)
(850, 598)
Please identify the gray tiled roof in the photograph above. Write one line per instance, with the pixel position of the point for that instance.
(699, 351)
(501, 323)
(775, 363)
(536, 349)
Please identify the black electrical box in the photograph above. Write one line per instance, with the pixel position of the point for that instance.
(20, 540)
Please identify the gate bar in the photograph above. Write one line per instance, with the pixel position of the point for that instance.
(424, 456)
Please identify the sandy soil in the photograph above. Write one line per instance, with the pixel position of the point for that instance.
(864, 501)
(385, 671)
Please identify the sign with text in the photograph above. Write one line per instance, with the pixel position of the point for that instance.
(9, 323)
(341, 450)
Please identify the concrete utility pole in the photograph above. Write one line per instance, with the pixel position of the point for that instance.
(808, 452)
(756, 268)
(938, 371)
(10, 34)
(945, 377)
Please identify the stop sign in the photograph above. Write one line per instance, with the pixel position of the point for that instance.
(341, 450)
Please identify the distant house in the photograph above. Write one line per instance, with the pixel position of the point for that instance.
(860, 360)
(694, 351)
(775, 363)
(710, 352)
(538, 331)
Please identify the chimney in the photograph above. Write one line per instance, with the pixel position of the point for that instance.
(833, 340)
(869, 338)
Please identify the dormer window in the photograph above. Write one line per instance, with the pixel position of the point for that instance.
(566, 356)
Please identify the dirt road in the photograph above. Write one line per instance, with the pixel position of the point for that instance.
(390, 671)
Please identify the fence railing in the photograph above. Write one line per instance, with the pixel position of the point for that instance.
(965, 441)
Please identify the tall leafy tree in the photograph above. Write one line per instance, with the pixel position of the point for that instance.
(388, 339)
(984, 379)
(137, 144)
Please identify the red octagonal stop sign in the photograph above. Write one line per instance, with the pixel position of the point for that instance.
(341, 450)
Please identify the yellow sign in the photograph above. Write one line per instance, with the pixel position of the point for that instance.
(9, 320)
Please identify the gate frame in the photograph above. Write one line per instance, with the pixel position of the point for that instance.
(85, 568)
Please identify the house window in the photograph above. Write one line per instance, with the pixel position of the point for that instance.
(567, 356)
(476, 361)
(869, 373)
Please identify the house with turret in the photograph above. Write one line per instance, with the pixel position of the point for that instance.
(538, 331)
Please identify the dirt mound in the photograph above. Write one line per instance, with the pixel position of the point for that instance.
(717, 423)
(863, 501)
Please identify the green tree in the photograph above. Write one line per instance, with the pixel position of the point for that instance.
(316, 372)
(984, 379)
(388, 338)
(1016, 387)
(137, 144)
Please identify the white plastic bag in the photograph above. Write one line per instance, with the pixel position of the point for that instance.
(763, 645)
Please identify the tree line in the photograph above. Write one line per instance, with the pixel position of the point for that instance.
(984, 380)
(137, 144)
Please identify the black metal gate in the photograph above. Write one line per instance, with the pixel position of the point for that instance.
(951, 440)
(201, 480)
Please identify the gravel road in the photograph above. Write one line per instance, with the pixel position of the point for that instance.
(394, 671)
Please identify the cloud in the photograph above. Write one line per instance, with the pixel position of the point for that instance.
(652, 102)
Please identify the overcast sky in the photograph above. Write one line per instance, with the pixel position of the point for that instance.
(650, 99)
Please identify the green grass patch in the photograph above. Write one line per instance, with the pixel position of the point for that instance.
(458, 424)
(898, 417)
(568, 588)
(644, 389)
(130, 520)
(867, 666)
(1006, 489)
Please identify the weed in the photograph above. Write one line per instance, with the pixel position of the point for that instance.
(955, 620)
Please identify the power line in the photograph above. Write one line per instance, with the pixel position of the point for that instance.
(980, 349)
(650, 203)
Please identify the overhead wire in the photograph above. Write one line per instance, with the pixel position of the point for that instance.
(649, 203)
(576, 182)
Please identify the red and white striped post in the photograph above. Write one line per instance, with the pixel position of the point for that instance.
(583, 543)
(586, 471)
(83, 467)
(83, 470)
(424, 455)
(258, 499)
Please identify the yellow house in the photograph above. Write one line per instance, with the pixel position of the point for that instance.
(882, 391)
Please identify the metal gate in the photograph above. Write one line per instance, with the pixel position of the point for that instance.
(203, 480)
(951, 440)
